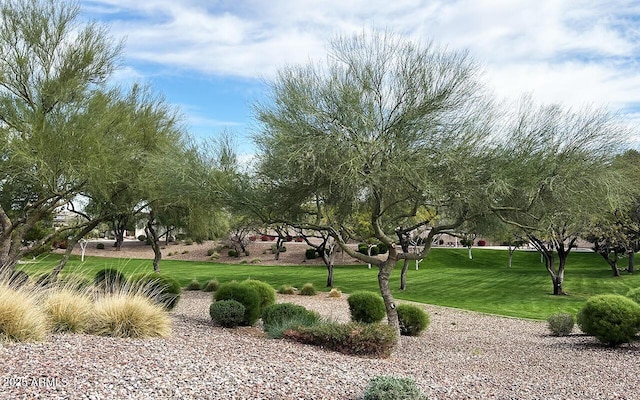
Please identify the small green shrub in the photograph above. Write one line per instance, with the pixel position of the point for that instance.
(193, 285)
(392, 388)
(142, 238)
(612, 319)
(560, 324)
(376, 340)
(634, 294)
(286, 289)
(109, 279)
(363, 248)
(413, 319)
(266, 292)
(277, 318)
(211, 286)
(162, 289)
(382, 248)
(188, 242)
(227, 313)
(310, 254)
(308, 290)
(100, 246)
(211, 251)
(374, 251)
(367, 307)
(232, 253)
(246, 295)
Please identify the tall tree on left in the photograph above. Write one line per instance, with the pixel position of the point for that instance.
(51, 68)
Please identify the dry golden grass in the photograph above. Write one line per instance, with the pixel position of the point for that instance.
(335, 293)
(21, 317)
(130, 315)
(68, 310)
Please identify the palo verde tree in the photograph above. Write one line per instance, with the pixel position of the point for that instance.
(555, 173)
(383, 127)
(51, 67)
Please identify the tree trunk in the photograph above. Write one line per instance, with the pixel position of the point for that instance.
(383, 281)
(470, 255)
(559, 278)
(631, 267)
(70, 245)
(613, 262)
(511, 251)
(329, 260)
(152, 235)
(403, 275)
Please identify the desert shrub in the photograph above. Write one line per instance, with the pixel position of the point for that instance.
(310, 253)
(193, 285)
(274, 248)
(612, 319)
(188, 242)
(109, 279)
(232, 253)
(162, 289)
(560, 324)
(68, 310)
(211, 286)
(100, 246)
(367, 307)
(255, 261)
(20, 317)
(211, 251)
(634, 294)
(227, 313)
(335, 293)
(129, 315)
(246, 295)
(354, 338)
(286, 289)
(374, 251)
(392, 388)
(308, 290)
(266, 292)
(382, 248)
(413, 319)
(363, 248)
(277, 318)
(142, 238)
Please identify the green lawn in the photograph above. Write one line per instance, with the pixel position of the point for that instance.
(447, 277)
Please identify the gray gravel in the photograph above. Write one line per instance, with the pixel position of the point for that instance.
(463, 355)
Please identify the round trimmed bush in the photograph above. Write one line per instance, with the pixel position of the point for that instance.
(227, 313)
(363, 248)
(560, 324)
(413, 319)
(278, 318)
(211, 286)
(392, 388)
(246, 295)
(310, 254)
(612, 319)
(367, 307)
(232, 253)
(382, 248)
(267, 292)
(634, 294)
(308, 290)
(142, 238)
(100, 246)
(109, 279)
(163, 290)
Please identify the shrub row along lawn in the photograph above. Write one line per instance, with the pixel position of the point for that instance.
(447, 278)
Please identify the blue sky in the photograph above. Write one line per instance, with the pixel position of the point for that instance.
(210, 58)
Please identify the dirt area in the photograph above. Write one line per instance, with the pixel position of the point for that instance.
(259, 252)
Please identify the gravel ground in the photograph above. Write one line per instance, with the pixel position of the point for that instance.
(463, 355)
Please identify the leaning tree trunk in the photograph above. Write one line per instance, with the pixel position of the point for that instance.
(403, 274)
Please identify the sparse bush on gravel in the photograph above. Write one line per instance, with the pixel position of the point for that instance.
(68, 310)
(100, 246)
(413, 319)
(162, 289)
(244, 294)
(367, 307)
(109, 280)
(560, 324)
(310, 253)
(335, 293)
(232, 253)
(193, 285)
(354, 338)
(308, 290)
(392, 388)
(278, 318)
(130, 315)
(20, 317)
(266, 292)
(634, 294)
(286, 289)
(211, 286)
(612, 319)
(227, 313)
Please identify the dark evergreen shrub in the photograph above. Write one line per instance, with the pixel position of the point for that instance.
(227, 313)
(142, 238)
(100, 246)
(266, 292)
(308, 290)
(560, 324)
(612, 319)
(367, 307)
(413, 319)
(363, 248)
(162, 289)
(246, 295)
(382, 248)
(392, 388)
(374, 251)
(109, 279)
(310, 253)
(211, 252)
(232, 253)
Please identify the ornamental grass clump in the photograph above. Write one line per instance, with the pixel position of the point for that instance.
(211, 286)
(612, 319)
(366, 307)
(68, 310)
(21, 318)
(308, 290)
(335, 293)
(560, 324)
(130, 315)
(286, 289)
(278, 318)
(193, 285)
(392, 388)
(244, 294)
(227, 313)
(413, 319)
